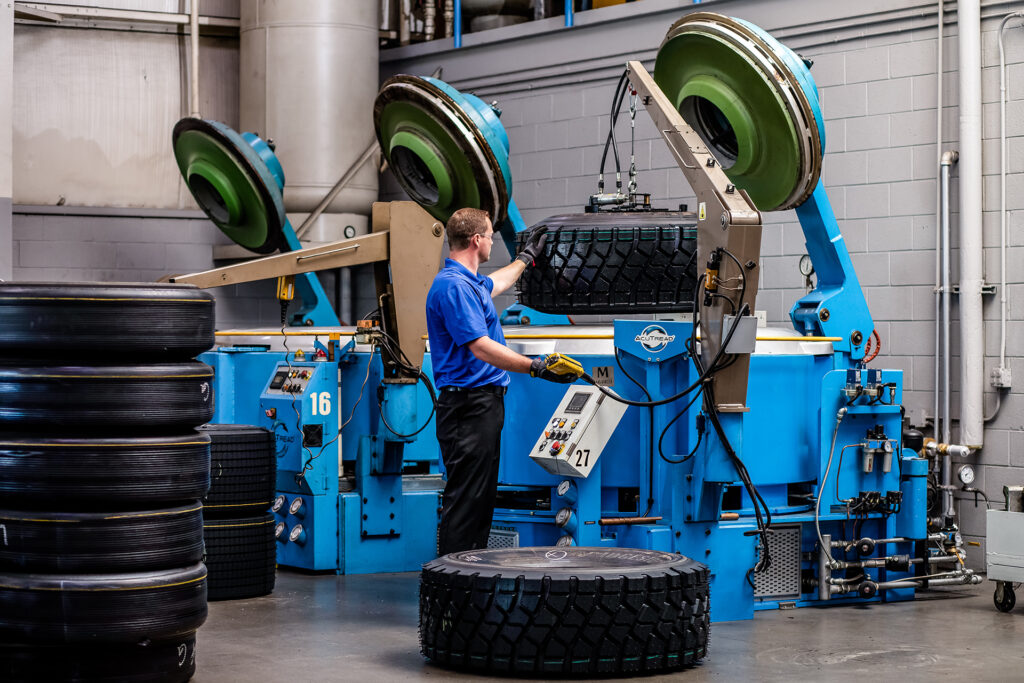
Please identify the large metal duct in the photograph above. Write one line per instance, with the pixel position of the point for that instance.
(308, 81)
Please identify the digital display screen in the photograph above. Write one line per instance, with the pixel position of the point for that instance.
(278, 380)
(577, 402)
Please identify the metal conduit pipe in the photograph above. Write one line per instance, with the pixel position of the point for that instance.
(1002, 199)
(880, 541)
(876, 562)
(972, 335)
(938, 210)
(193, 31)
(948, 159)
(957, 579)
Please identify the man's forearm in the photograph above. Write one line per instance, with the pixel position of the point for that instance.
(499, 355)
(504, 278)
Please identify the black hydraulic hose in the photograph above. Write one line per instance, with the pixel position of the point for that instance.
(433, 409)
(650, 416)
(617, 97)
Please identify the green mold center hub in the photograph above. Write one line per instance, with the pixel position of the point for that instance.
(737, 111)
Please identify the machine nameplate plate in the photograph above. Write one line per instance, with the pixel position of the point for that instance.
(604, 375)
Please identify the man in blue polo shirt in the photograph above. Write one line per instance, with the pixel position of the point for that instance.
(471, 365)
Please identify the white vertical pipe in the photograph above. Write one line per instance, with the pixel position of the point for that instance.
(193, 34)
(972, 335)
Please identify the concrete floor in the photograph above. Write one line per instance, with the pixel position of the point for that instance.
(363, 628)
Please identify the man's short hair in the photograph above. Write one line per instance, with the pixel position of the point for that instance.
(463, 224)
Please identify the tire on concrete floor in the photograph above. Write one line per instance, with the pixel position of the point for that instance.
(167, 661)
(564, 610)
(613, 263)
(241, 557)
(39, 472)
(98, 320)
(94, 542)
(243, 470)
(95, 608)
(90, 399)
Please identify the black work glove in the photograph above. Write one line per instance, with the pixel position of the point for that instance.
(534, 246)
(557, 368)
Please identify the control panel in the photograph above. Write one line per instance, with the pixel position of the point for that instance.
(290, 381)
(578, 431)
(299, 404)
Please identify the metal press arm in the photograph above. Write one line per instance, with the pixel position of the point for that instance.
(405, 247)
(726, 218)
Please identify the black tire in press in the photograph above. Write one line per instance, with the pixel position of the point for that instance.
(243, 470)
(613, 263)
(564, 610)
(165, 661)
(105, 320)
(113, 608)
(97, 398)
(38, 471)
(240, 557)
(94, 542)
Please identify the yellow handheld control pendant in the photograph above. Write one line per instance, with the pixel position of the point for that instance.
(563, 365)
(286, 288)
(556, 368)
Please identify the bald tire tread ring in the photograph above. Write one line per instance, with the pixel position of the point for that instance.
(91, 399)
(92, 474)
(151, 322)
(93, 608)
(598, 270)
(87, 542)
(243, 470)
(540, 618)
(167, 661)
(241, 557)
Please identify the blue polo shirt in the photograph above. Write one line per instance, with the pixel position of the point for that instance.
(459, 310)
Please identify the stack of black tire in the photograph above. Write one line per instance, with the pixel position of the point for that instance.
(241, 550)
(101, 476)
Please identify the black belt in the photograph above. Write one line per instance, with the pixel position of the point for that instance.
(487, 389)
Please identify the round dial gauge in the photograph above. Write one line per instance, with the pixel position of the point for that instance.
(806, 267)
(966, 475)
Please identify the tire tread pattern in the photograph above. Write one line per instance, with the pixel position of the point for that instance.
(241, 557)
(500, 622)
(243, 471)
(597, 270)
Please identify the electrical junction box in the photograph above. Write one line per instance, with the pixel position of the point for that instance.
(577, 432)
(1004, 552)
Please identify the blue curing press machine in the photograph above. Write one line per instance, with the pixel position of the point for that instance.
(773, 455)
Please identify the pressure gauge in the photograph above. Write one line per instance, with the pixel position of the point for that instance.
(296, 507)
(806, 267)
(966, 475)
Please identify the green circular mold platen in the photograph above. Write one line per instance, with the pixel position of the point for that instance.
(227, 186)
(738, 109)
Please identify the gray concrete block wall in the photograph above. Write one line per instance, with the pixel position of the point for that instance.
(124, 247)
(877, 80)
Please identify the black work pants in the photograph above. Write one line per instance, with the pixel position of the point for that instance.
(469, 433)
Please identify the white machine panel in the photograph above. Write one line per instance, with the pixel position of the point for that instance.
(577, 432)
